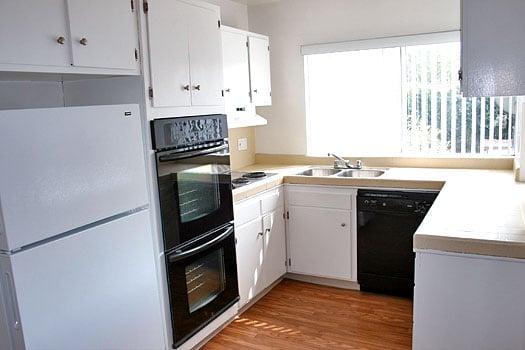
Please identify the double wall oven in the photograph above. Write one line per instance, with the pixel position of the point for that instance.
(195, 195)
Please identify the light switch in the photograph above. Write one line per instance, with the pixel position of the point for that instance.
(242, 144)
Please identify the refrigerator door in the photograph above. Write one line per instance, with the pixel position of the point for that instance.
(96, 289)
(63, 168)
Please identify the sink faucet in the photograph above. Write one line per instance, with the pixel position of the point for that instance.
(341, 163)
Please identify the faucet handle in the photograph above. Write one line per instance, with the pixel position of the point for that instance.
(359, 163)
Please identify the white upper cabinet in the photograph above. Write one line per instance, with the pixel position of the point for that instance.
(236, 69)
(72, 36)
(103, 33)
(205, 57)
(169, 56)
(31, 33)
(185, 54)
(260, 81)
(492, 52)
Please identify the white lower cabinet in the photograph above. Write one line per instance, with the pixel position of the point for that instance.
(321, 231)
(274, 250)
(261, 243)
(249, 259)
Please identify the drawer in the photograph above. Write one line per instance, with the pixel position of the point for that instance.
(321, 197)
(271, 201)
(247, 211)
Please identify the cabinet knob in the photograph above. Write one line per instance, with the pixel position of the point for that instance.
(460, 75)
(83, 41)
(197, 87)
(260, 234)
(61, 40)
(255, 90)
(343, 224)
(228, 90)
(186, 87)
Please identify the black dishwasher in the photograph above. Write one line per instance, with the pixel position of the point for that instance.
(386, 223)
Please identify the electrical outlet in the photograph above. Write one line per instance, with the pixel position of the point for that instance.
(242, 144)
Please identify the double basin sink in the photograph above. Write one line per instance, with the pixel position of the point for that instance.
(319, 172)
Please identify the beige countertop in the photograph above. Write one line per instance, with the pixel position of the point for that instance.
(476, 212)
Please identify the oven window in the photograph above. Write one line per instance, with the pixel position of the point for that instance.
(205, 280)
(199, 194)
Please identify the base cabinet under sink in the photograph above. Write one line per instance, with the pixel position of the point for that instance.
(321, 231)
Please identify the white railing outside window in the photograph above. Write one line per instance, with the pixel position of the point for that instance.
(400, 96)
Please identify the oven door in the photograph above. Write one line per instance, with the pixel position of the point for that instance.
(195, 193)
(202, 282)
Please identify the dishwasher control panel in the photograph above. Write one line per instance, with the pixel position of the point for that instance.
(394, 201)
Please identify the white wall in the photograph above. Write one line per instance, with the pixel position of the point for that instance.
(30, 94)
(233, 14)
(292, 23)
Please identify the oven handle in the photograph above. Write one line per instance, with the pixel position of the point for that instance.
(193, 251)
(202, 152)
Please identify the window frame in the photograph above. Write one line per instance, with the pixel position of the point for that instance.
(392, 42)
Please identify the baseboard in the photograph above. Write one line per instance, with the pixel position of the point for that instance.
(331, 282)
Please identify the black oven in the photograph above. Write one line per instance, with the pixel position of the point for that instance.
(195, 198)
(193, 175)
(202, 282)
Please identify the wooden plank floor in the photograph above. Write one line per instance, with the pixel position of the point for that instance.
(296, 315)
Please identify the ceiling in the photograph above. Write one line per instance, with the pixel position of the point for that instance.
(255, 2)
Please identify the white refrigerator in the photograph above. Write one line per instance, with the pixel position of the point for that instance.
(76, 249)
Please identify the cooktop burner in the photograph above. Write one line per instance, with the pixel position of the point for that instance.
(254, 175)
(240, 179)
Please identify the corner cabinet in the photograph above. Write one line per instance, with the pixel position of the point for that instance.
(321, 231)
(57, 36)
(185, 57)
(261, 243)
(492, 46)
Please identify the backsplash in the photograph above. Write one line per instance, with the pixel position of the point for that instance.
(241, 159)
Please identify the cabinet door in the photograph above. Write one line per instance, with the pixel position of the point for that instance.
(274, 247)
(493, 63)
(236, 69)
(103, 33)
(205, 57)
(168, 53)
(261, 87)
(320, 241)
(29, 30)
(249, 249)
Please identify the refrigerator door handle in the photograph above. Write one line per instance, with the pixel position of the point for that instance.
(12, 301)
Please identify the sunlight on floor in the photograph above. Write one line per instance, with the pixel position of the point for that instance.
(265, 325)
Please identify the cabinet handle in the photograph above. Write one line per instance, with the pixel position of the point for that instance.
(460, 75)
(186, 87)
(197, 87)
(228, 90)
(343, 224)
(61, 40)
(83, 41)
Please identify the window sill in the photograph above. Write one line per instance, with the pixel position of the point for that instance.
(398, 161)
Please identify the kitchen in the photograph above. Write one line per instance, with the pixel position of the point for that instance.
(220, 174)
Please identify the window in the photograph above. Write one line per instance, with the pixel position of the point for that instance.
(400, 96)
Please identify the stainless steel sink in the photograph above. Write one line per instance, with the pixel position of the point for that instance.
(320, 172)
(361, 173)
